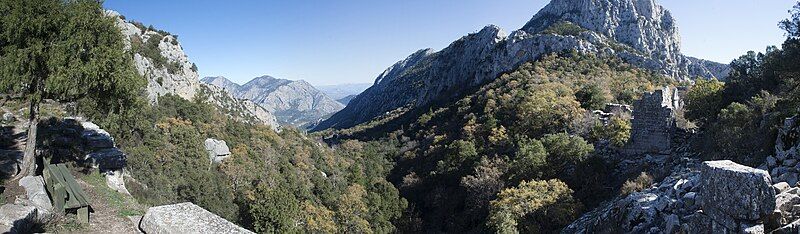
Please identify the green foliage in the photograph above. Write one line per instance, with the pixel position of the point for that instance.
(761, 91)
(274, 211)
(792, 25)
(617, 131)
(533, 207)
(519, 127)
(65, 51)
(703, 100)
(564, 28)
(269, 180)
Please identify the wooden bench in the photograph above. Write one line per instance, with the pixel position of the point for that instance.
(65, 192)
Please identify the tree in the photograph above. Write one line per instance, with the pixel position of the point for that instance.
(533, 207)
(564, 149)
(792, 25)
(65, 51)
(703, 100)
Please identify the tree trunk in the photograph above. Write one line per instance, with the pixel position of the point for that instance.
(28, 167)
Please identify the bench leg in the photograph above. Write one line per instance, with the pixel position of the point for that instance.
(83, 214)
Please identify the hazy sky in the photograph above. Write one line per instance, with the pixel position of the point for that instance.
(352, 41)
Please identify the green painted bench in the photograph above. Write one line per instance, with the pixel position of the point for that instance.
(65, 192)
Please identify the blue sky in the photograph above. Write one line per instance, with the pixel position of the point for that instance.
(352, 41)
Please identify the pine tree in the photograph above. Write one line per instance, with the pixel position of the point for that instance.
(66, 51)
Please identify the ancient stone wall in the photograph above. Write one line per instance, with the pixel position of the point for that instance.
(653, 123)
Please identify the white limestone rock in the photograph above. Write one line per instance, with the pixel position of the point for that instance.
(731, 192)
(185, 218)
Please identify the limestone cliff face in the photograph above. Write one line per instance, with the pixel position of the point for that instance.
(168, 70)
(178, 76)
(638, 31)
(293, 102)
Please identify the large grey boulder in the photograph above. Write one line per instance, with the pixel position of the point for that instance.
(107, 159)
(185, 218)
(17, 218)
(217, 150)
(731, 193)
(37, 195)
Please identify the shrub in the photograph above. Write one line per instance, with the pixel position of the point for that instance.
(533, 207)
(703, 100)
(640, 183)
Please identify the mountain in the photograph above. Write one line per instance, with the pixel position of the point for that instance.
(159, 57)
(640, 32)
(296, 103)
(341, 91)
(346, 100)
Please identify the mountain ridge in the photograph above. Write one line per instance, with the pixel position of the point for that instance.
(426, 76)
(296, 103)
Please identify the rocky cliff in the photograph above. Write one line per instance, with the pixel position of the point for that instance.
(293, 102)
(638, 31)
(159, 57)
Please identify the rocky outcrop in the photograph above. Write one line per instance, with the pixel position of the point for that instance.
(709, 197)
(169, 71)
(666, 207)
(293, 102)
(185, 218)
(172, 73)
(653, 125)
(217, 150)
(638, 31)
(784, 166)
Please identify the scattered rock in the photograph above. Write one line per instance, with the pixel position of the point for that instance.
(187, 218)
(781, 187)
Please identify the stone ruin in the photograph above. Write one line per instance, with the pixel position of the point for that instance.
(653, 125)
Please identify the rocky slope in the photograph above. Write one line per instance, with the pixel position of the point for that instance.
(159, 57)
(638, 31)
(293, 102)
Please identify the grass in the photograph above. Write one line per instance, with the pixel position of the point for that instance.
(124, 204)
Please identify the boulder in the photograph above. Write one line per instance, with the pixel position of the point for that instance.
(9, 117)
(96, 141)
(107, 159)
(731, 192)
(185, 218)
(116, 181)
(17, 218)
(217, 150)
(37, 195)
(781, 187)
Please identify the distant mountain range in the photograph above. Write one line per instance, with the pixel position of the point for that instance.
(343, 91)
(296, 103)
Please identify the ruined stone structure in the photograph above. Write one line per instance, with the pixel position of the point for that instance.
(653, 123)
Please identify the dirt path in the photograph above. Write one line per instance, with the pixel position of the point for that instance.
(107, 217)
